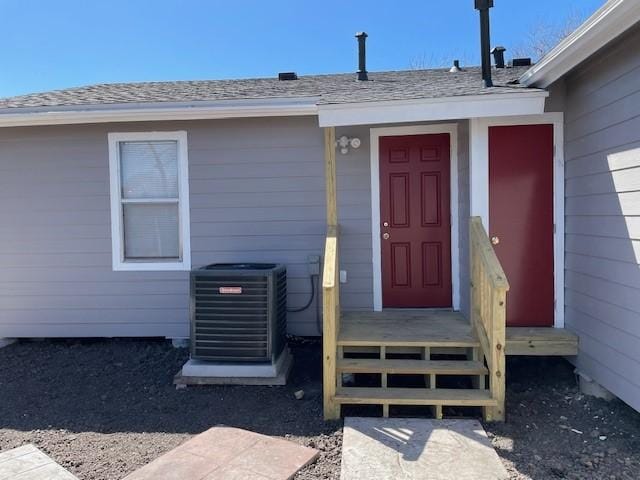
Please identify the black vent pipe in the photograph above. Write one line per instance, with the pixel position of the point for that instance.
(485, 41)
(362, 56)
(498, 56)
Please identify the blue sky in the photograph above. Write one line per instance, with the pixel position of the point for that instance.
(47, 45)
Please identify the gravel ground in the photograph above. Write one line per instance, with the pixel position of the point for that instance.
(104, 408)
(554, 432)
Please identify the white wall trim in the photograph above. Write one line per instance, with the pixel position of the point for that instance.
(606, 24)
(137, 112)
(375, 134)
(479, 168)
(117, 234)
(523, 102)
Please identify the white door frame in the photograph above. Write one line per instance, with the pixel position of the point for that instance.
(479, 183)
(376, 133)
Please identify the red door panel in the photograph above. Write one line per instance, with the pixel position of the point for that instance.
(415, 215)
(521, 217)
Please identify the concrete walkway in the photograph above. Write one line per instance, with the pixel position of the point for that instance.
(29, 463)
(417, 449)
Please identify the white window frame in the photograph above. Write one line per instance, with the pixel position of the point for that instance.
(117, 230)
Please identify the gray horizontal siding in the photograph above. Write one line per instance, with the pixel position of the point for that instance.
(257, 194)
(354, 216)
(602, 297)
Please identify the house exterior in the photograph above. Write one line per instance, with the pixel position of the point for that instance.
(507, 205)
(598, 69)
(252, 188)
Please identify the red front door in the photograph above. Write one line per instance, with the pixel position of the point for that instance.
(521, 219)
(415, 221)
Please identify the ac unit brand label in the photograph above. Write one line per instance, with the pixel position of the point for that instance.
(230, 290)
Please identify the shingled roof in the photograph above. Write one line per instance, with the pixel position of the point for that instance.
(325, 89)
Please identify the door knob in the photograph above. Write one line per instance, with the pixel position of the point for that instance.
(385, 235)
(495, 240)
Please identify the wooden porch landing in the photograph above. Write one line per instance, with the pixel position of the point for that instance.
(442, 329)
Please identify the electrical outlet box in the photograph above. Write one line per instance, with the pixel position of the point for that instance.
(343, 276)
(314, 264)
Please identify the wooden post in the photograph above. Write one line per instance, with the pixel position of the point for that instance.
(329, 336)
(489, 288)
(331, 191)
(330, 283)
(497, 379)
(330, 175)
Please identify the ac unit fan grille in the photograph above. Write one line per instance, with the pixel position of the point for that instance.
(233, 316)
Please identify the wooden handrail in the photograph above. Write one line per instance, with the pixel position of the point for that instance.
(330, 321)
(484, 248)
(489, 288)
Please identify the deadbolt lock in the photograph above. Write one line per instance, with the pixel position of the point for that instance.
(385, 224)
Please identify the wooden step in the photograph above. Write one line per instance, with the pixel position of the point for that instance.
(397, 366)
(415, 396)
(416, 350)
(392, 328)
(541, 341)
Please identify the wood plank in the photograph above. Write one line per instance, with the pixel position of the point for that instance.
(330, 175)
(518, 339)
(416, 367)
(410, 328)
(399, 341)
(488, 309)
(414, 396)
(541, 341)
(489, 258)
(404, 350)
(497, 383)
(330, 285)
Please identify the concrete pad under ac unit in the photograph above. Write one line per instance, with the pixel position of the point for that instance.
(199, 372)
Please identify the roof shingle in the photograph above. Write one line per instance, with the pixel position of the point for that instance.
(328, 89)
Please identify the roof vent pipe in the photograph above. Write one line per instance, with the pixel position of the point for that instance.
(287, 76)
(485, 41)
(498, 56)
(456, 67)
(362, 56)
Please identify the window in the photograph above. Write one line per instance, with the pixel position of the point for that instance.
(149, 201)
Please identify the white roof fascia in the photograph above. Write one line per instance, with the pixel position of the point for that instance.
(433, 109)
(66, 115)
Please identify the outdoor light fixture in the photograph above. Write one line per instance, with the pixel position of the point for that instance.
(345, 142)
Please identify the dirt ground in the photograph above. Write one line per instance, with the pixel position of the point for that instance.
(104, 408)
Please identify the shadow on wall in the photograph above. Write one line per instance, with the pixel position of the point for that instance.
(602, 273)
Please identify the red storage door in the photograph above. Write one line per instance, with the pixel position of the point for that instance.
(521, 219)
